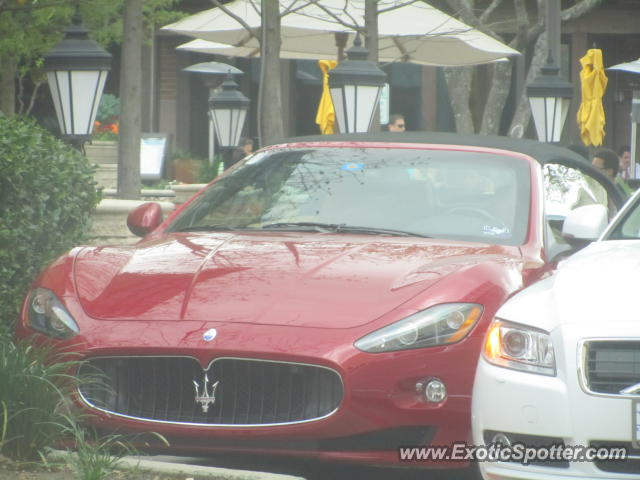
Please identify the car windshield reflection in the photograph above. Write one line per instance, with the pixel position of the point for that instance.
(463, 195)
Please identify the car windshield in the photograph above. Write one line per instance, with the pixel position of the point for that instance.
(628, 227)
(464, 195)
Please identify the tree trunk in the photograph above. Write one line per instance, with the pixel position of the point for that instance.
(272, 121)
(459, 85)
(8, 70)
(522, 116)
(526, 34)
(371, 29)
(371, 44)
(130, 101)
(500, 86)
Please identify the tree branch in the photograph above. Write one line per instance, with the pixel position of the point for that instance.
(579, 9)
(335, 17)
(489, 10)
(240, 20)
(519, 42)
(396, 6)
(34, 95)
(464, 10)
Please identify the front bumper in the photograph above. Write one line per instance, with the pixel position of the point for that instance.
(547, 410)
(379, 412)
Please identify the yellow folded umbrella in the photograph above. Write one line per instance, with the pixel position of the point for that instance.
(593, 82)
(326, 117)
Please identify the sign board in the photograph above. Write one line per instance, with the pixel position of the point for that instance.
(153, 152)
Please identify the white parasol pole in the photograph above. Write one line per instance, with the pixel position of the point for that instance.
(635, 118)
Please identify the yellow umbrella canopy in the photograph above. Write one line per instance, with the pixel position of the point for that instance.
(593, 82)
(326, 116)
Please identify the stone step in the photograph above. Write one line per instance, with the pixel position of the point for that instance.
(109, 222)
(106, 176)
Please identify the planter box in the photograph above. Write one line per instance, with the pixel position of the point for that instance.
(102, 152)
(104, 155)
(185, 170)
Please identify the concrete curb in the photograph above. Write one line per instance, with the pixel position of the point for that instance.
(148, 464)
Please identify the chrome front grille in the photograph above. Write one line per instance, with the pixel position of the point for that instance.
(249, 392)
(611, 366)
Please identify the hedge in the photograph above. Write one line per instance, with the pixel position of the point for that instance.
(47, 197)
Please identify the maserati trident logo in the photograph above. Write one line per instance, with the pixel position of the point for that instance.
(207, 396)
(209, 334)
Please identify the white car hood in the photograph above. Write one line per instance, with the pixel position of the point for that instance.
(598, 284)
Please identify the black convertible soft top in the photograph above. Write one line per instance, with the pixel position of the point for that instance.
(542, 152)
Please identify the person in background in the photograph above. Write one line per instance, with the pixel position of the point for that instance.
(607, 161)
(624, 155)
(397, 123)
(244, 148)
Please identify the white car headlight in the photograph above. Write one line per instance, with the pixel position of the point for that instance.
(519, 347)
(48, 315)
(438, 325)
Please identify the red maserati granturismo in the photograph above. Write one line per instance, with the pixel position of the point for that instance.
(322, 298)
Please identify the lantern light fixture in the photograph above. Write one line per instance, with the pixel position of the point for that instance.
(228, 110)
(77, 69)
(355, 86)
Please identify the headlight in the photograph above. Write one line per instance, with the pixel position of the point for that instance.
(519, 347)
(48, 315)
(438, 325)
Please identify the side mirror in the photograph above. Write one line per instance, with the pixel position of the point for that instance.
(585, 223)
(144, 218)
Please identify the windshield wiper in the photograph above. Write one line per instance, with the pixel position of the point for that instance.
(211, 228)
(317, 226)
(381, 231)
(341, 228)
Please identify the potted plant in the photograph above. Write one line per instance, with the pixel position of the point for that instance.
(186, 167)
(106, 124)
(103, 148)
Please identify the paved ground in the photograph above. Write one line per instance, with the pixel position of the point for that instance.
(224, 468)
(310, 470)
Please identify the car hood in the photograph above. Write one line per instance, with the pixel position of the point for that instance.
(597, 284)
(313, 280)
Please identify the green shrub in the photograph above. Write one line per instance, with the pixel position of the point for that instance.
(47, 196)
(109, 108)
(98, 455)
(209, 171)
(34, 391)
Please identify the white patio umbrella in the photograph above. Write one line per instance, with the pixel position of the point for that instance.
(214, 48)
(205, 46)
(415, 32)
(631, 67)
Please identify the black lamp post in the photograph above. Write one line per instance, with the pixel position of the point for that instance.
(77, 69)
(355, 86)
(212, 74)
(550, 94)
(228, 110)
(550, 98)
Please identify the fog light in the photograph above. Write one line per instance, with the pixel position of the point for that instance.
(433, 390)
(500, 439)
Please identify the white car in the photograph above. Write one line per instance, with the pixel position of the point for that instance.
(557, 389)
